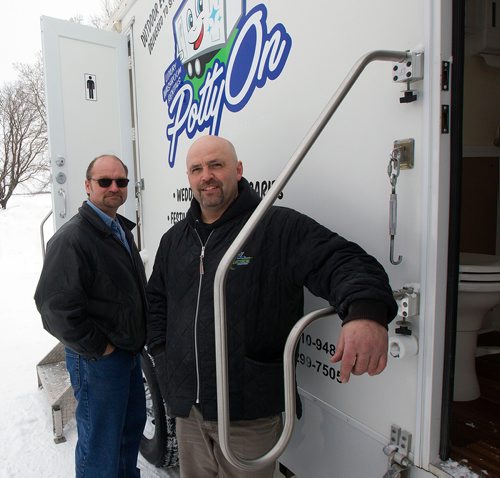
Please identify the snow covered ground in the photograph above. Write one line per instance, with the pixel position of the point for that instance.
(27, 449)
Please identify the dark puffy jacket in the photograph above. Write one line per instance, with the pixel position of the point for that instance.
(264, 290)
(91, 292)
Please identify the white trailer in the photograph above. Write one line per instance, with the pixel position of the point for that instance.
(278, 65)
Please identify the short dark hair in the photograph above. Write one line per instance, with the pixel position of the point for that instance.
(88, 174)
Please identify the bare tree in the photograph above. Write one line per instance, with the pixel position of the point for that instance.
(108, 9)
(99, 20)
(78, 18)
(23, 133)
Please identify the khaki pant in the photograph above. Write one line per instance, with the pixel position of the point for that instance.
(200, 455)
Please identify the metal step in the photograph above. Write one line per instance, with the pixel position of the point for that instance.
(53, 378)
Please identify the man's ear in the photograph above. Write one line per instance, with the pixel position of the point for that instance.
(239, 170)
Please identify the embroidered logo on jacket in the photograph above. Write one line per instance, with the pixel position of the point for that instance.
(241, 260)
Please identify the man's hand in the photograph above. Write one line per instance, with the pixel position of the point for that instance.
(362, 347)
(109, 350)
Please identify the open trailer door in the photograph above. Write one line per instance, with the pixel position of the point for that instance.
(88, 108)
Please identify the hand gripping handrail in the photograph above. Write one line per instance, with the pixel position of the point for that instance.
(225, 263)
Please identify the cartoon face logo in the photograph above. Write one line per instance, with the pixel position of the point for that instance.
(201, 29)
(195, 26)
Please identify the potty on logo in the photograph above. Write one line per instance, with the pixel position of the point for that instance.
(221, 55)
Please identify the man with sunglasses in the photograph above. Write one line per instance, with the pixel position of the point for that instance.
(91, 296)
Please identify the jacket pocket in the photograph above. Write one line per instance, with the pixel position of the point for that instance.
(263, 388)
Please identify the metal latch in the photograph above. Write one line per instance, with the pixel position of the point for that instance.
(398, 451)
(139, 187)
(402, 157)
(405, 148)
(408, 300)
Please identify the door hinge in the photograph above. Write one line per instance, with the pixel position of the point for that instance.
(132, 133)
(139, 186)
(445, 75)
(445, 119)
(398, 451)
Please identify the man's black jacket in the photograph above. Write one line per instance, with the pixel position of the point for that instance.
(264, 290)
(91, 291)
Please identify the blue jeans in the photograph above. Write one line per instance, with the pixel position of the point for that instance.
(110, 414)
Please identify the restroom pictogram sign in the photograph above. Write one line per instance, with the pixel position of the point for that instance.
(90, 87)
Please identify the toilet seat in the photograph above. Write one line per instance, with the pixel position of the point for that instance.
(479, 268)
(478, 293)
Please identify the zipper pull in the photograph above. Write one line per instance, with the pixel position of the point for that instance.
(202, 255)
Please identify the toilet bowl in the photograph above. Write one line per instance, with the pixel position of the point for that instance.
(478, 292)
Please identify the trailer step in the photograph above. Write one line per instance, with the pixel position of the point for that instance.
(53, 377)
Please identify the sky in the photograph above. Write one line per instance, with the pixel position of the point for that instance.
(20, 37)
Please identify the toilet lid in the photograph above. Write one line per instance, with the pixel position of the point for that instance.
(479, 267)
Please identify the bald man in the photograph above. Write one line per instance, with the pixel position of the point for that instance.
(264, 289)
(91, 296)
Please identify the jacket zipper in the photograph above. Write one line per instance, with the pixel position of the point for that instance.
(202, 272)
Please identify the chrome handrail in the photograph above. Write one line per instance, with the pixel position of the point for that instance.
(225, 263)
(42, 235)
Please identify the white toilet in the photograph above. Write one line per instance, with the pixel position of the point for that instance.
(478, 292)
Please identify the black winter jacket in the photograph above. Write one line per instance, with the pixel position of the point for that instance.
(91, 291)
(264, 290)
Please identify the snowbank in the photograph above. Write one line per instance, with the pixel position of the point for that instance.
(27, 448)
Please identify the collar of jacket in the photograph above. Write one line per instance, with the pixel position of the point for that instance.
(246, 200)
(89, 215)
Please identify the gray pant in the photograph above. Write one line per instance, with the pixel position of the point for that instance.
(200, 455)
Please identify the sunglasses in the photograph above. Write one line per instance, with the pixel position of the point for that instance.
(106, 182)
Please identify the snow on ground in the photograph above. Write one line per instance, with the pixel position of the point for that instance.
(27, 448)
(458, 470)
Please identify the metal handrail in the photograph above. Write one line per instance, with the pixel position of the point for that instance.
(225, 263)
(42, 235)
